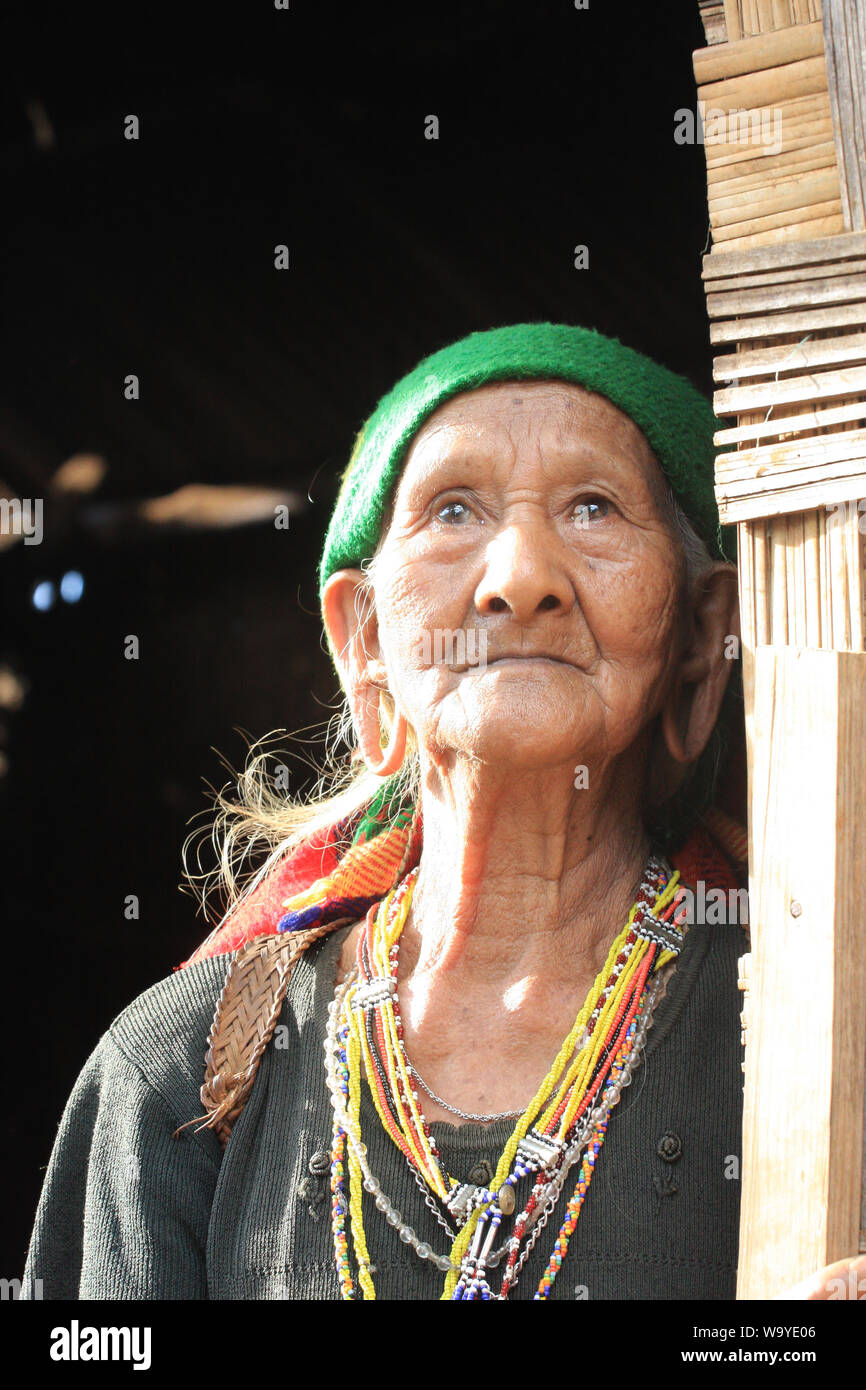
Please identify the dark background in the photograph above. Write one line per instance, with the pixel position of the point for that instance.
(261, 127)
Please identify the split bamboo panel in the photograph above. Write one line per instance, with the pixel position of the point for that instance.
(767, 113)
(795, 381)
(747, 17)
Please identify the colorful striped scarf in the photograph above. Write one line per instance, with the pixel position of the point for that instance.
(336, 876)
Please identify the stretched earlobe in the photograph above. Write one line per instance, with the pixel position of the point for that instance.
(671, 730)
(392, 757)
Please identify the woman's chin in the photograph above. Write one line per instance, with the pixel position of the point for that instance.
(537, 741)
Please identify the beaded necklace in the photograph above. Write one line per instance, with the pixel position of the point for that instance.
(564, 1124)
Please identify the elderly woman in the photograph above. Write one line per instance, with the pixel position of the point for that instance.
(430, 1002)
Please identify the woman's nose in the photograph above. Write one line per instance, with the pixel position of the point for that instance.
(523, 572)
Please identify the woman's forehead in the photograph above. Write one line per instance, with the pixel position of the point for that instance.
(566, 413)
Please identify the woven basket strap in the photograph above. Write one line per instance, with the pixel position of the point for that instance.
(244, 1021)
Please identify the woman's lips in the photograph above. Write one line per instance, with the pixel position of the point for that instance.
(523, 661)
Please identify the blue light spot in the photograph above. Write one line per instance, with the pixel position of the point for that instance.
(43, 595)
(72, 586)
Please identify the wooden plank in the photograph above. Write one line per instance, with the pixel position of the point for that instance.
(792, 424)
(812, 563)
(781, 222)
(849, 381)
(797, 496)
(819, 448)
(761, 188)
(768, 88)
(733, 22)
(800, 1206)
(800, 321)
(796, 568)
(837, 289)
(800, 110)
(780, 195)
(742, 484)
(787, 121)
(722, 184)
(854, 576)
(751, 172)
(820, 251)
(779, 584)
(731, 155)
(826, 597)
(845, 43)
(839, 581)
(755, 54)
(850, 347)
(746, 587)
(766, 18)
(758, 529)
(797, 276)
(760, 133)
(816, 226)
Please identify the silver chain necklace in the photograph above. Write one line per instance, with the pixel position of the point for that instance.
(463, 1114)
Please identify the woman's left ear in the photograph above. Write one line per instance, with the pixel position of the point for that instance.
(352, 637)
(692, 708)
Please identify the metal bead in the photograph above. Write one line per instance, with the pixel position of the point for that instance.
(506, 1200)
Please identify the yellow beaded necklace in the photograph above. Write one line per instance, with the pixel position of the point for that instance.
(566, 1114)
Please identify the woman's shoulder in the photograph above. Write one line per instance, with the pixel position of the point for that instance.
(168, 1012)
(181, 1033)
(161, 1036)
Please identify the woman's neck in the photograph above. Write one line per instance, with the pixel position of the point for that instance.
(522, 877)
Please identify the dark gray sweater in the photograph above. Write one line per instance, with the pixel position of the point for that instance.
(129, 1212)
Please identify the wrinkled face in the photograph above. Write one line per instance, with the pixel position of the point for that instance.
(529, 588)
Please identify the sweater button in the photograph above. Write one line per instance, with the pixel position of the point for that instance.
(482, 1174)
(670, 1147)
(320, 1163)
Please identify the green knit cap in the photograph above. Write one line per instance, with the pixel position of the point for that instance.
(676, 419)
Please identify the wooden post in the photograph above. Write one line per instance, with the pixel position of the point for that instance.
(805, 1060)
(786, 296)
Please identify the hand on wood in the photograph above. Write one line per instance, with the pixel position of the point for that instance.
(844, 1279)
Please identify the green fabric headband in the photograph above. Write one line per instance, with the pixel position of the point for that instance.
(676, 419)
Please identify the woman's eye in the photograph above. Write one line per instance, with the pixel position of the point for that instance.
(593, 509)
(455, 513)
